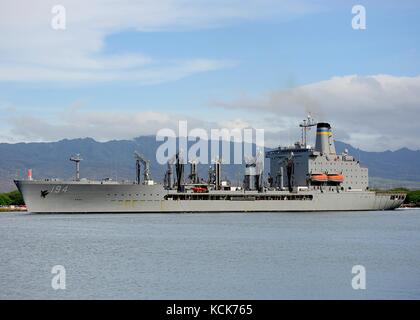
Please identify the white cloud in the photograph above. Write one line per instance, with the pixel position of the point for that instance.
(75, 122)
(375, 112)
(111, 71)
(31, 50)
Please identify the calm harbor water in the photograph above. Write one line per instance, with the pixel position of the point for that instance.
(211, 256)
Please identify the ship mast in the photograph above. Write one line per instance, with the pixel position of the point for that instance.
(306, 125)
(77, 160)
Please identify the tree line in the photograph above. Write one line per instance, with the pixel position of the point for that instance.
(11, 198)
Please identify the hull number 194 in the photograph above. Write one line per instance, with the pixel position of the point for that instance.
(59, 188)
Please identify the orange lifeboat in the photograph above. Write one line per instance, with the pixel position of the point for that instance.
(335, 177)
(319, 177)
(199, 189)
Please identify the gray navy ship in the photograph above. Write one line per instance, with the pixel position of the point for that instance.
(301, 178)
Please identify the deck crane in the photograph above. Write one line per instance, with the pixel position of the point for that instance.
(141, 160)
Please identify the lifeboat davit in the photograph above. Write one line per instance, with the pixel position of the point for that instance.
(320, 177)
(335, 177)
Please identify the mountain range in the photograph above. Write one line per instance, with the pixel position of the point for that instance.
(114, 159)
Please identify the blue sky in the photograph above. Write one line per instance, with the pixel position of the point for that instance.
(123, 69)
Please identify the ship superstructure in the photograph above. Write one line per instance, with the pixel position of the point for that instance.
(320, 168)
(301, 178)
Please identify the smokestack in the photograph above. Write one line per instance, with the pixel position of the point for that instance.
(324, 139)
(29, 174)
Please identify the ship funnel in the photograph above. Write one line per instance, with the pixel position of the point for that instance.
(324, 139)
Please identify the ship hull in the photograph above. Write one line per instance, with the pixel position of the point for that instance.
(99, 197)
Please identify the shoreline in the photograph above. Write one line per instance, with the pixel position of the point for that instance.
(13, 209)
(410, 205)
